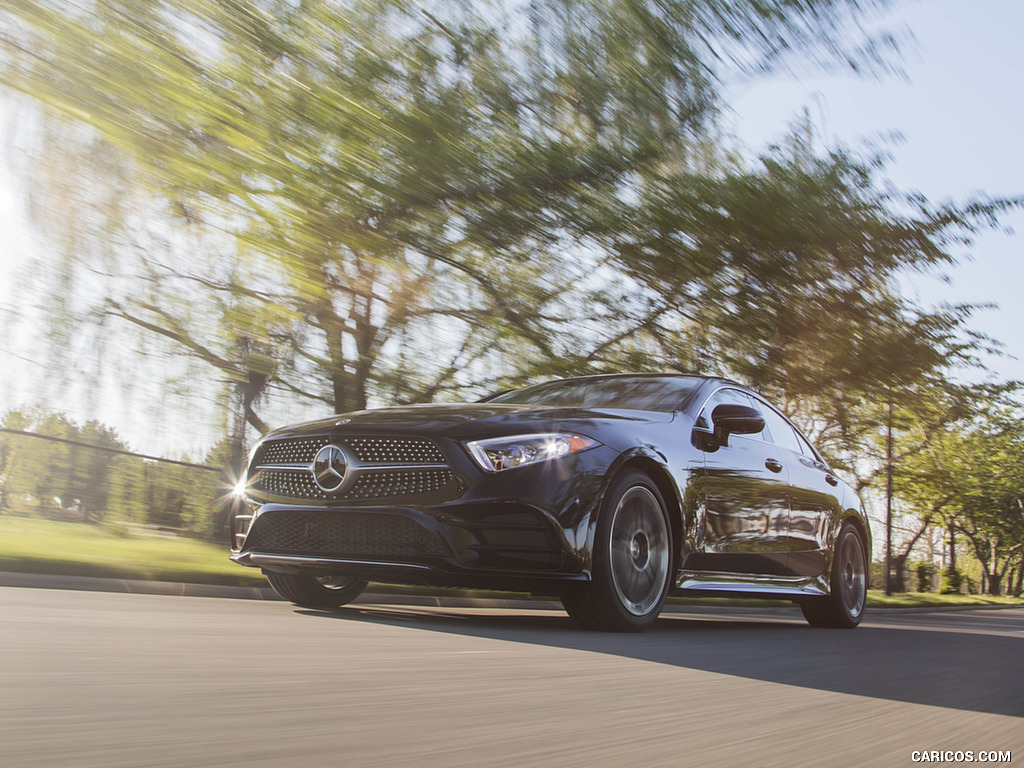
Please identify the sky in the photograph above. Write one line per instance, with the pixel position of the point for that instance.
(961, 115)
(958, 108)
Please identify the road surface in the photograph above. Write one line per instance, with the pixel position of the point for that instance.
(100, 680)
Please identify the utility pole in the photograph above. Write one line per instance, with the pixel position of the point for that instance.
(888, 502)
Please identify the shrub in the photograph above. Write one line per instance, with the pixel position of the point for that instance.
(924, 576)
(951, 582)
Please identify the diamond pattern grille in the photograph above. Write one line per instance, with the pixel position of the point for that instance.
(371, 484)
(377, 450)
(389, 478)
(398, 450)
(289, 450)
(291, 485)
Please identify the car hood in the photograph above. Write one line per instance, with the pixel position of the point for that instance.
(467, 421)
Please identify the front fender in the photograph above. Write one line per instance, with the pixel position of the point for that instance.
(675, 488)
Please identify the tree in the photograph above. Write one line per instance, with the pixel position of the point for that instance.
(971, 477)
(784, 276)
(14, 479)
(349, 201)
(991, 514)
(54, 475)
(922, 474)
(126, 492)
(397, 176)
(84, 474)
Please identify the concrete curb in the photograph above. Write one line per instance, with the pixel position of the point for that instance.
(142, 587)
(133, 586)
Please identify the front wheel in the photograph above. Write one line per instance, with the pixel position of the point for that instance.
(632, 560)
(316, 591)
(844, 607)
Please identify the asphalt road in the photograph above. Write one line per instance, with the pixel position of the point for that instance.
(93, 679)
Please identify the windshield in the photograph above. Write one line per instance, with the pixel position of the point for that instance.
(640, 393)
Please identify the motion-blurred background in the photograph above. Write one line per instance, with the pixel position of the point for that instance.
(222, 216)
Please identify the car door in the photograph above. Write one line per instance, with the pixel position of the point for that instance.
(746, 498)
(813, 500)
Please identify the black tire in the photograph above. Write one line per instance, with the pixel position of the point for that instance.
(316, 591)
(848, 587)
(577, 605)
(632, 563)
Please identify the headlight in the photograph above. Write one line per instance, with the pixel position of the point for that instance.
(498, 453)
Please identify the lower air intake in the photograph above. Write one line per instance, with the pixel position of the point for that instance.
(346, 534)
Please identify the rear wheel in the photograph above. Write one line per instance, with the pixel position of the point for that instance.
(311, 591)
(844, 607)
(632, 560)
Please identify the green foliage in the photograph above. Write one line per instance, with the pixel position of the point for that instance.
(924, 572)
(60, 479)
(969, 473)
(128, 492)
(380, 201)
(79, 483)
(785, 275)
(952, 581)
(411, 188)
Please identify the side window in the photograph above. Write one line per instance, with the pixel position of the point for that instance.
(782, 434)
(806, 446)
(729, 396)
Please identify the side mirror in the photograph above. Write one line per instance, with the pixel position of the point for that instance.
(732, 419)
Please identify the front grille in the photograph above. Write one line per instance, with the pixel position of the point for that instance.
(392, 484)
(357, 535)
(372, 484)
(290, 485)
(395, 450)
(373, 450)
(381, 468)
(289, 450)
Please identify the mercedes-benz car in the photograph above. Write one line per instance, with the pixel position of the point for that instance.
(609, 492)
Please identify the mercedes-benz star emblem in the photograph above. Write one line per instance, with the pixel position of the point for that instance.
(329, 468)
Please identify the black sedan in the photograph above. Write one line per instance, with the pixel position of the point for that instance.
(611, 492)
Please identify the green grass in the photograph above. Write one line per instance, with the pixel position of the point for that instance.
(33, 545)
(878, 599)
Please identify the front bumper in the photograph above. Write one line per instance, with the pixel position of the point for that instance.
(521, 529)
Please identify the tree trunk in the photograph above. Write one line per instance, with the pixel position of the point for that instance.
(995, 575)
(899, 562)
(897, 580)
(365, 331)
(333, 335)
(952, 545)
(252, 389)
(994, 584)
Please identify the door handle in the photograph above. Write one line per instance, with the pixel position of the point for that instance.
(773, 464)
(831, 480)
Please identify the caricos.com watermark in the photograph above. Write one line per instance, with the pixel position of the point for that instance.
(959, 756)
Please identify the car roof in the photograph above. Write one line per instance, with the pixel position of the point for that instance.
(643, 374)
